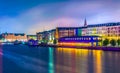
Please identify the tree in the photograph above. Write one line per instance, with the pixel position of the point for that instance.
(55, 41)
(113, 42)
(1, 37)
(118, 41)
(105, 42)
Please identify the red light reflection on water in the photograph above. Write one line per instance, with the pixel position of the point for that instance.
(1, 54)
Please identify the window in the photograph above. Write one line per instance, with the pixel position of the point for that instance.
(94, 38)
(89, 38)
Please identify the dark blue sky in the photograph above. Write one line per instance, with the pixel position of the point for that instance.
(31, 16)
(15, 7)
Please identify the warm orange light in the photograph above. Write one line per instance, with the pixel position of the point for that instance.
(98, 61)
(74, 44)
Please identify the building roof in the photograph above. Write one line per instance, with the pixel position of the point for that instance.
(104, 24)
(16, 34)
(67, 27)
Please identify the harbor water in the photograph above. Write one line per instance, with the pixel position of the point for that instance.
(26, 59)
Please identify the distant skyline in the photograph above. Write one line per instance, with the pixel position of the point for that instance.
(31, 16)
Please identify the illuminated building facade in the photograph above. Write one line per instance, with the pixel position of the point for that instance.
(51, 36)
(66, 31)
(43, 36)
(39, 36)
(113, 32)
(11, 37)
(46, 36)
(84, 31)
(80, 41)
(34, 37)
(96, 30)
(107, 30)
(103, 31)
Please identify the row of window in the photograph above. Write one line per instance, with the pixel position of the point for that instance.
(113, 35)
(82, 38)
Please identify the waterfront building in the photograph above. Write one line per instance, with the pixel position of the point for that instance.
(113, 32)
(80, 41)
(39, 36)
(43, 37)
(11, 37)
(34, 37)
(84, 31)
(79, 31)
(93, 30)
(104, 31)
(51, 36)
(66, 32)
(46, 36)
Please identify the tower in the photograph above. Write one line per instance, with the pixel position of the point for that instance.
(85, 23)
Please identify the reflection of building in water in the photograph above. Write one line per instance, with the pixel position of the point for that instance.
(111, 62)
(97, 61)
(51, 60)
(71, 60)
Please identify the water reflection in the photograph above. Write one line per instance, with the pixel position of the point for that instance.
(1, 59)
(23, 59)
(71, 60)
(97, 61)
(51, 60)
(111, 62)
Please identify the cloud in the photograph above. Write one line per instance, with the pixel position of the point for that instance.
(52, 24)
(50, 15)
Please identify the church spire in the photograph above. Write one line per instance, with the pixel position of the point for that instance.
(85, 22)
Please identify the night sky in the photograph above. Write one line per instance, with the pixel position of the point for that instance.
(31, 16)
